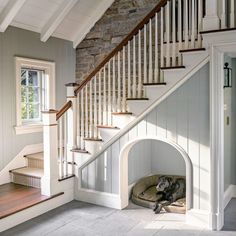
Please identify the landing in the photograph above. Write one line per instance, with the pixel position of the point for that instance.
(15, 197)
(79, 218)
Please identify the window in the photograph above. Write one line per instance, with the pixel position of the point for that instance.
(35, 92)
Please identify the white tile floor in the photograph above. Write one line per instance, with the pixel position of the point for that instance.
(78, 218)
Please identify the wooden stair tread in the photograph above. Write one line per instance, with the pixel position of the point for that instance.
(122, 113)
(137, 99)
(28, 171)
(93, 139)
(192, 50)
(36, 156)
(78, 150)
(216, 31)
(107, 127)
(172, 67)
(15, 198)
(154, 84)
(66, 177)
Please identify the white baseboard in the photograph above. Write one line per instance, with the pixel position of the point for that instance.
(18, 161)
(229, 194)
(22, 216)
(99, 198)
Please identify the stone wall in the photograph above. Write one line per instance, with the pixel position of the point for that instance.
(108, 32)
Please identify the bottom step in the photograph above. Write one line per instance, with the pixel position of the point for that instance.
(16, 197)
(27, 176)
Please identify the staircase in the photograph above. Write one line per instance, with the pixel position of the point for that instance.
(31, 174)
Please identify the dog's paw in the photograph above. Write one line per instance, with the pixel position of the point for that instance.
(158, 209)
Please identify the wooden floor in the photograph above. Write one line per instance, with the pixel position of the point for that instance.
(15, 198)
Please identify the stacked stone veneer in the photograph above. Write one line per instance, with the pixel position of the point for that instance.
(117, 22)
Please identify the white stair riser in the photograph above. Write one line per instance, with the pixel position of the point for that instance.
(137, 107)
(107, 134)
(193, 58)
(81, 158)
(93, 146)
(35, 163)
(122, 120)
(26, 180)
(154, 92)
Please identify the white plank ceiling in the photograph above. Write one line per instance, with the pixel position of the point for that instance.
(66, 19)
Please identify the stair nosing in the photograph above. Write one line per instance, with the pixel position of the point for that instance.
(25, 174)
(192, 50)
(121, 113)
(82, 151)
(137, 99)
(93, 140)
(172, 67)
(154, 84)
(107, 127)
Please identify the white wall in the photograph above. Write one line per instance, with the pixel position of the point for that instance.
(183, 118)
(18, 42)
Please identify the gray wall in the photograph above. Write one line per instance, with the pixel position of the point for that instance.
(183, 118)
(17, 42)
(230, 129)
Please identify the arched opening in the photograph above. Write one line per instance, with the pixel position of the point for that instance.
(123, 175)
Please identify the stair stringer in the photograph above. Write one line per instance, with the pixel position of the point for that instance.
(88, 194)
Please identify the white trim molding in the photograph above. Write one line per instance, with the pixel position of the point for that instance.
(218, 45)
(99, 198)
(123, 170)
(49, 68)
(229, 194)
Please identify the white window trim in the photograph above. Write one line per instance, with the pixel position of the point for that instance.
(49, 68)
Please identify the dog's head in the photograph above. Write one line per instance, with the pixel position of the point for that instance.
(163, 183)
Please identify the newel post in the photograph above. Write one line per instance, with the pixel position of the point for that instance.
(49, 182)
(71, 123)
(211, 19)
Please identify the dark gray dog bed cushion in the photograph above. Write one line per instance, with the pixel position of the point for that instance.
(144, 194)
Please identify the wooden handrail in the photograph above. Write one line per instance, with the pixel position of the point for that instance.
(123, 43)
(64, 109)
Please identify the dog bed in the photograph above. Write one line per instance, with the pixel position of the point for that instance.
(144, 194)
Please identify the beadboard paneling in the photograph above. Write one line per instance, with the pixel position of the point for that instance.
(17, 42)
(183, 118)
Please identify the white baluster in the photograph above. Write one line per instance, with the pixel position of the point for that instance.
(65, 144)
(223, 14)
(180, 39)
(193, 25)
(109, 94)
(78, 123)
(168, 34)
(145, 54)
(129, 72)
(162, 42)
(104, 97)
(200, 17)
(61, 170)
(139, 65)
(186, 38)
(150, 72)
(124, 83)
(95, 108)
(82, 120)
(100, 98)
(114, 84)
(86, 113)
(91, 120)
(173, 35)
(118, 89)
(156, 70)
(134, 68)
(232, 13)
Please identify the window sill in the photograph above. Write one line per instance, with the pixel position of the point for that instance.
(30, 128)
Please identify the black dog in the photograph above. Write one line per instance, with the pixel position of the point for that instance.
(171, 191)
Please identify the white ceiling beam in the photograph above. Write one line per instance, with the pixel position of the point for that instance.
(56, 19)
(9, 12)
(98, 12)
